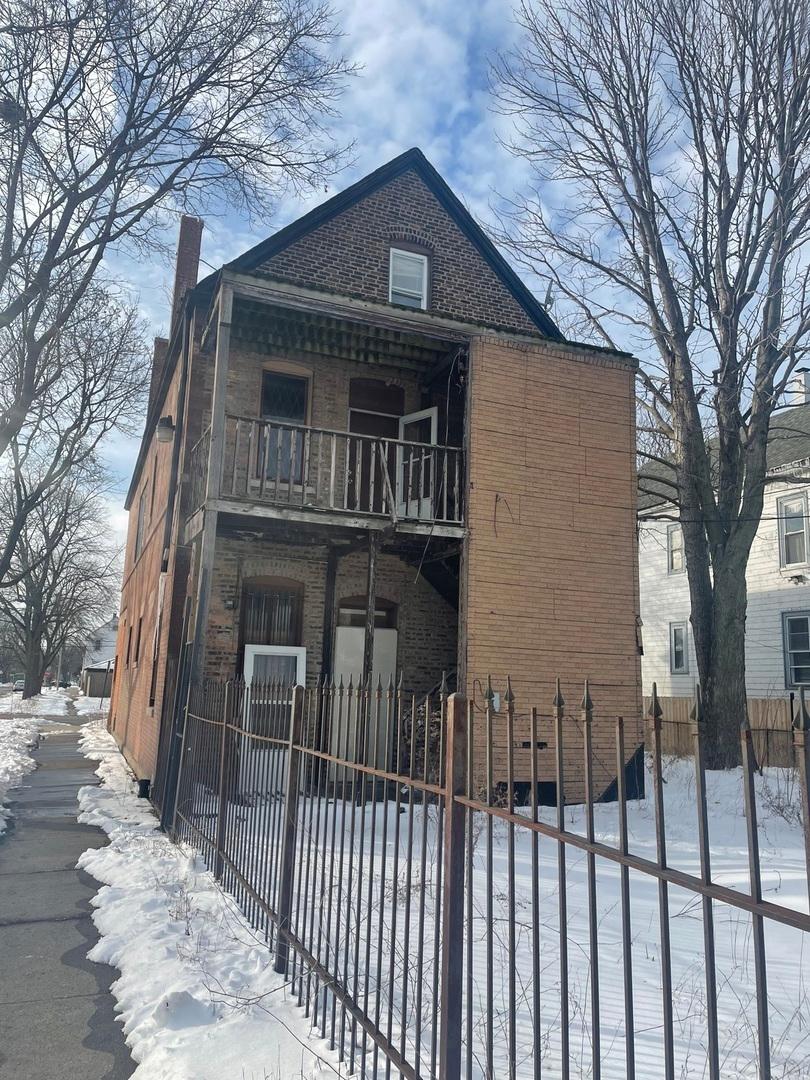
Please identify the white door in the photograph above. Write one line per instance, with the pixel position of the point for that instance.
(416, 466)
(349, 644)
(262, 764)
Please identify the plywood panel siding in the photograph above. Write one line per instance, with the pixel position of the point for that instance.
(550, 586)
(771, 592)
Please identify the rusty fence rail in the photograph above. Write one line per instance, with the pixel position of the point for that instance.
(453, 888)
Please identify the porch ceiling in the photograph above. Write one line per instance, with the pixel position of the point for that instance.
(414, 548)
(274, 327)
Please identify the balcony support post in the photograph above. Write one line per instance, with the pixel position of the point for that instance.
(216, 455)
(328, 640)
(371, 606)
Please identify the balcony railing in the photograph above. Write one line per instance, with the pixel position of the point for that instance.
(267, 462)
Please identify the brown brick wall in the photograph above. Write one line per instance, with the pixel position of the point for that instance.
(329, 388)
(350, 255)
(426, 623)
(132, 721)
(551, 580)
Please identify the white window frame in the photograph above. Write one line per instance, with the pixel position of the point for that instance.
(789, 681)
(784, 500)
(421, 296)
(674, 530)
(420, 505)
(684, 626)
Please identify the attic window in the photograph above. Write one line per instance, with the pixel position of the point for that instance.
(408, 278)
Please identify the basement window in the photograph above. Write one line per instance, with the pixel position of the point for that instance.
(408, 278)
(792, 513)
(678, 648)
(796, 634)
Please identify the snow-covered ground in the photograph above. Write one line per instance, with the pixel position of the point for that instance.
(91, 706)
(197, 993)
(48, 703)
(20, 726)
(197, 983)
(18, 737)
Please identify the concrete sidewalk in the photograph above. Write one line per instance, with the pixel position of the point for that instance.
(56, 1010)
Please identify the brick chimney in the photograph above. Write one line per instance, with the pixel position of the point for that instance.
(188, 261)
(185, 278)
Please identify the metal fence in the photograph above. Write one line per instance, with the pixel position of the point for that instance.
(434, 919)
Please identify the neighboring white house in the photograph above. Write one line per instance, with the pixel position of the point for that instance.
(777, 655)
(100, 645)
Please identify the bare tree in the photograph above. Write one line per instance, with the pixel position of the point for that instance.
(66, 573)
(113, 113)
(100, 356)
(670, 145)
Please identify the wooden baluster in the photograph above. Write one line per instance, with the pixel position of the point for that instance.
(332, 466)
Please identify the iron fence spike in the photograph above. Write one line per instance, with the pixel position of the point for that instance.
(655, 711)
(587, 702)
(559, 700)
(489, 693)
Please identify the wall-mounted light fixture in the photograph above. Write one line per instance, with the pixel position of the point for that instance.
(165, 429)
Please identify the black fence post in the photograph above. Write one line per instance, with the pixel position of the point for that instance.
(287, 866)
(452, 962)
(801, 742)
(223, 772)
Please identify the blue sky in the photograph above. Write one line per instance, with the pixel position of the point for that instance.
(423, 81)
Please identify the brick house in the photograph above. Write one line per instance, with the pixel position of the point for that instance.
(368, 449)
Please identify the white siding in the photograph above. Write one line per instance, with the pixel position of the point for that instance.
(106, 635)
(771, 591)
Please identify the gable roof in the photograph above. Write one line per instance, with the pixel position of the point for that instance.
(254, 257)
(788, 443)
(412, 160)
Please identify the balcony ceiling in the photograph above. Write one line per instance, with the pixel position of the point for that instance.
(279, 329)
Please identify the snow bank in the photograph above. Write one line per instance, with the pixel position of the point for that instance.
(197, 994)
(18, 737)
(48, 703)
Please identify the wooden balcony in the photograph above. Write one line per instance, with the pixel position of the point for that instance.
(267, 464)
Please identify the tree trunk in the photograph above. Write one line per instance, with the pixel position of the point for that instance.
(33, 670)
(722, 671)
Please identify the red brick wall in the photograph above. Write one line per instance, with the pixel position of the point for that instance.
(350, 255)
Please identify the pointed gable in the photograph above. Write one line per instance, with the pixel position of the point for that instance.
(344, 246)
